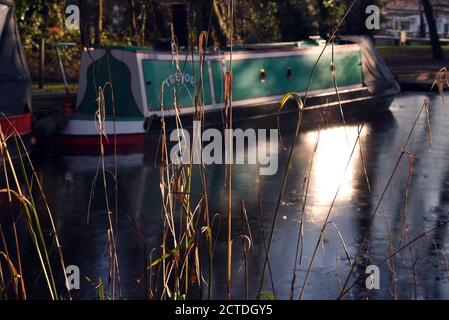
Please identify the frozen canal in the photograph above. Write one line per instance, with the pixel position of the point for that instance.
(416, 201)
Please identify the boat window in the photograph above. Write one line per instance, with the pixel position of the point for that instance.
(288, 72)
(262, 75)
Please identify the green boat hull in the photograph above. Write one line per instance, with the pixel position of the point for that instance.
(133, 88)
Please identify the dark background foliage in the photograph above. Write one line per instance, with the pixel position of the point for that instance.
(147, 22)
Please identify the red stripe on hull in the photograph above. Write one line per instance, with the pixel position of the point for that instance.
(21, 124)
(91, 145)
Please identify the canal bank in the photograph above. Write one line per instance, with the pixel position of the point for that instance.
(413, 66)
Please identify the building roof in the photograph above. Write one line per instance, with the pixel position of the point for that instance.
(408, 6)
(412, 5)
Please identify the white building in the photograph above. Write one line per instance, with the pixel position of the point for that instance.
(408, 15)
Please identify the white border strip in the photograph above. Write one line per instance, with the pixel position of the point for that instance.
(77, 127)
(143, 83)
(249, 55)
(211, 82)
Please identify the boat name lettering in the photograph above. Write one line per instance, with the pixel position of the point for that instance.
(175, 78)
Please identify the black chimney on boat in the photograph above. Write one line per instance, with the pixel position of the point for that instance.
(181, 22)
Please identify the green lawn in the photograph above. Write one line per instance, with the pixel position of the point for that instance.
(54, 87)
(408, 50)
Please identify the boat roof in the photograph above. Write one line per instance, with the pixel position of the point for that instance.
(312, 42)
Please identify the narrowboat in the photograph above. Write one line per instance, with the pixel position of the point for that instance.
(125, 92)
(15, 83)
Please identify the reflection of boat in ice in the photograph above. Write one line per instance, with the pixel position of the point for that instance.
(15, 85)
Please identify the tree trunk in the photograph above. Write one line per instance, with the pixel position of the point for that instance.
(143, 22)
(99, 21)
(133, 17)
(324, 18)
(156, 20)
(438, 53)
(422, 26)
(84, 23)
(219, 12)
